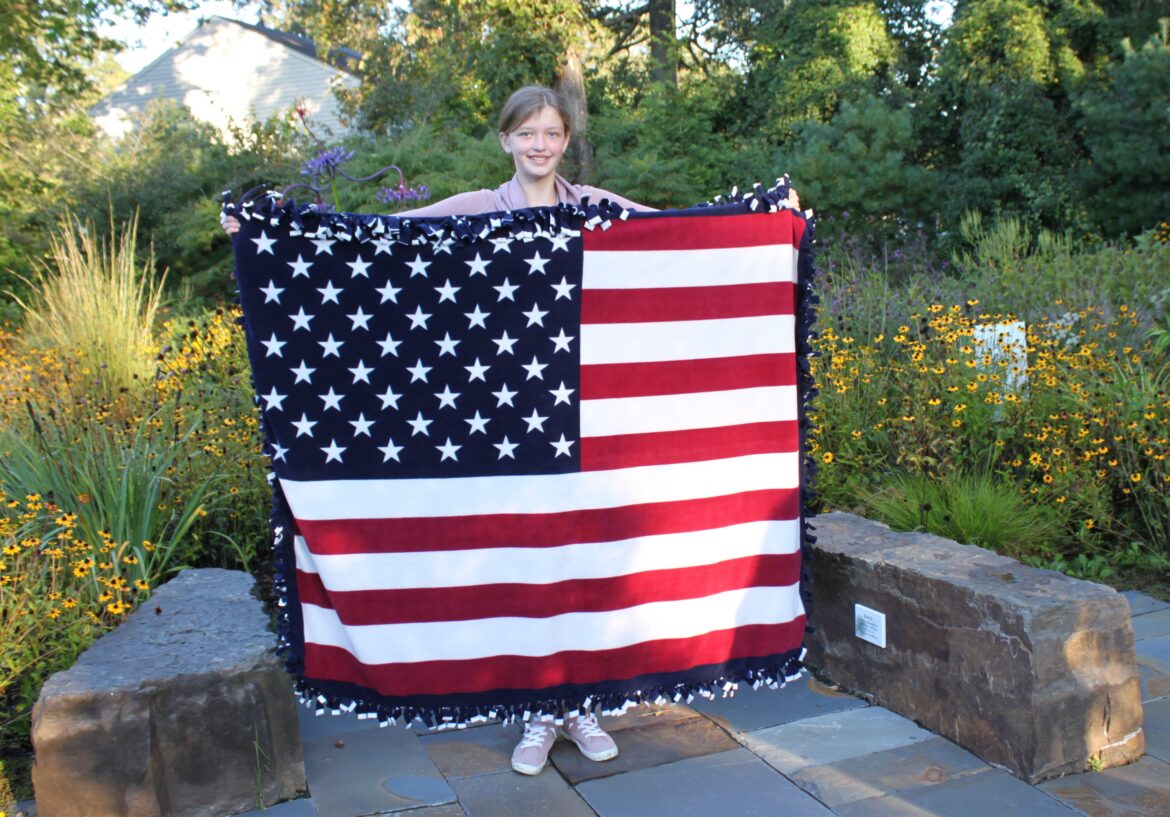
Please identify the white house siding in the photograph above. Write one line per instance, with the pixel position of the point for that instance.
(227, 72)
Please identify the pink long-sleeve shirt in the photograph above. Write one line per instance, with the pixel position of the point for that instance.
(510, 196)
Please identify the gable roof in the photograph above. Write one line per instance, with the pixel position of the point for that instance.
(225, 72)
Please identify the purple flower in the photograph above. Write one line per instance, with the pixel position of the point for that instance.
(402, 193)
(326, 161)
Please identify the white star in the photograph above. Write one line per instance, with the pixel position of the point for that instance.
(446, 345)
(273, 346)
(477, 423)
(535, 315)
(476, 371)
(562, 395)
(447, 397)
(362, 372)
(564, 289)
(505, 395)
(272, 292)
(562, 342)
(332, 400)
(506, 290)
(329, 293)
(505, 343)
(478, 266)
(418, 371)
(300, 266)
(390, 451)
(301, 320)
(333, 451)
(383, 245)
(331, 346)
(324, 245)
(419, 318)
(445, 246)
(562, 446)
(448, 450)
(388, 293)
(389, 345)
(361, 425)
(303, 373)
(420, 425)
(477, 317)
(360, 320)
(535, 422)
(264, 244)
(506, 448)
(536, 264)
(447, 292)
(389, 398)
(273, 400)
(418, 266)
(304, 425)
(534, 369)
(501, 245)
(560, 241)
(359, 267)
(278, 452)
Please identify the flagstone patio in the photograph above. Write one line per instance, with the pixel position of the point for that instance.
(809, 750)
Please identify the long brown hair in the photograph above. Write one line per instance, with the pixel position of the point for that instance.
(529, 100)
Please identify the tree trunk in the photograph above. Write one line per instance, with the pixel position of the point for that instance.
(571, 87)
(663, 50)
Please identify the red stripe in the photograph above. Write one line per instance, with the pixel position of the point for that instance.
(691, 445)
(415, 535)
(414, 605)
(686, 303)
(602, 381)
(571, 667)
(697, 232)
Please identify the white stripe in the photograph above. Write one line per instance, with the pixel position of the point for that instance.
(591, 560)
(444, 641)
(654, 269)
(686, 340)
(539, 493)
(676, 412)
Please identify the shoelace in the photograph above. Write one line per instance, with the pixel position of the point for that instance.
(587, 726)
(534, 733)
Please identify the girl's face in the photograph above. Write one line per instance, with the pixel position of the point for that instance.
(537, 144)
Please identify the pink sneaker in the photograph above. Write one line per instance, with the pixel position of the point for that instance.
(590, 738)
(531, 753)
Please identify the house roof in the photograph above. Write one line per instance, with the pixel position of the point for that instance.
(338, 57)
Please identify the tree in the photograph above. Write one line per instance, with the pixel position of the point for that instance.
(1126, 123)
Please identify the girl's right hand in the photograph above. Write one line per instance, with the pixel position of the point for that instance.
(231, 225)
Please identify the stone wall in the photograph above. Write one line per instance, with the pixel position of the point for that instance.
(183, 711)
(1026, 668)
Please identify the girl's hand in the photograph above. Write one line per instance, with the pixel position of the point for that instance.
(792, 201)
(231, 225)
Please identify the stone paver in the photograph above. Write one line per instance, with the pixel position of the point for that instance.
(469, 752)
(760, 708)
(371, 772)
(1157, 728)
(639, 716)
(829, 738)
(1154, 653)
(291, 808)
(734, 782)
(1141, 789)
(510, 794)
(328, 725)
(1151, 625)
(992, 793)
(919, 765)
(1141, 603)
(1155, 684)
(642, 747)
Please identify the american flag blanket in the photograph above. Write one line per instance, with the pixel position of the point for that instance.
(536, 461)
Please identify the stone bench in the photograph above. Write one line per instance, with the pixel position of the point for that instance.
(1028, 669)
(183, 710)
